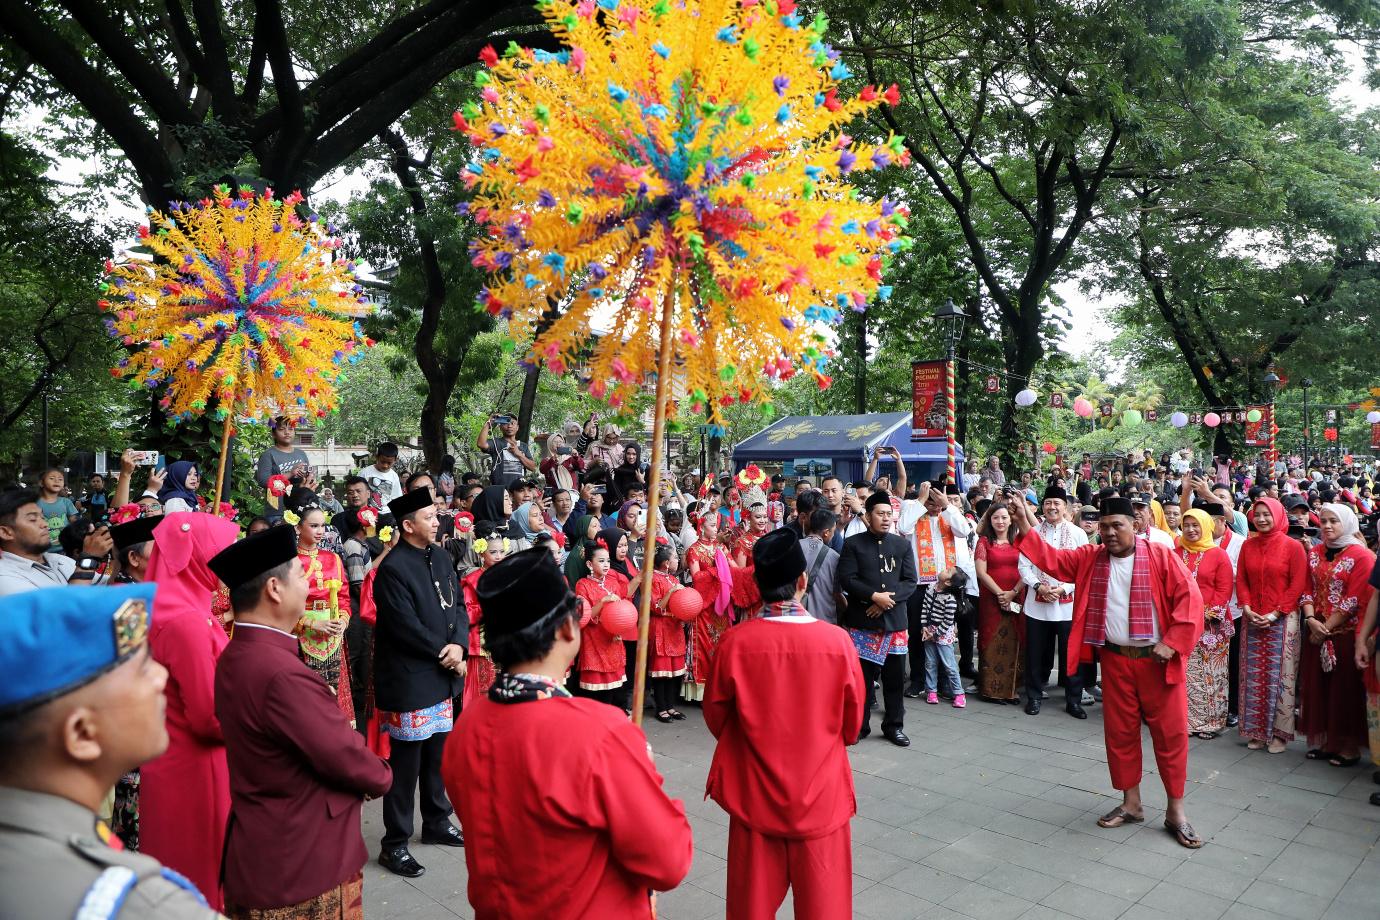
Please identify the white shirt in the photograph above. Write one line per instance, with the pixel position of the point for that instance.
(1063, 535)
(176, 504)
(1119, 604)
(18, 574)
(914, 514)
(384, 482)
(1155, 535)
(269, 628)
(854, 525)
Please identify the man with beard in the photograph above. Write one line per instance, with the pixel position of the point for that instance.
(25, 541)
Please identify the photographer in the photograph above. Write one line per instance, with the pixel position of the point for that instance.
(510, 457)
(562, 465)
(25, 558)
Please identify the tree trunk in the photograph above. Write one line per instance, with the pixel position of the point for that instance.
(528, 403)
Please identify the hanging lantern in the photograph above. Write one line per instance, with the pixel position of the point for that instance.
(1082, 407)
(1178, 420)
(1026, 398)
(1212, 420)
(1253, 415)
(1330, 434)
(1373, 417)
(1130, 418)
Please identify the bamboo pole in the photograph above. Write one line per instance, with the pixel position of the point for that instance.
(226, 427)
(644, 613)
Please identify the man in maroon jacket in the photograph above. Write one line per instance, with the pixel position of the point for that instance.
(298, 772)
(785, 696)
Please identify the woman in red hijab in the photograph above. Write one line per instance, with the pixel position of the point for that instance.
(1332, 690)
(184, 795)
(1271, 578)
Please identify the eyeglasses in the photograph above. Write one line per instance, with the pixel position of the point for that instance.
(151, 506)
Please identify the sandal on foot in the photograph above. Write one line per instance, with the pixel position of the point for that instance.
(1254, 745)
(1339, 761)
(1206, 736)
(663, 717)
(1119, 816)
(1271, 749)
(1319, 754)
(676, 714)
(1184, 833)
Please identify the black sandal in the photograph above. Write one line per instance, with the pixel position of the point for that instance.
(1339, 761)
(677, 714)
(663, 717)
(1206, 736)
(1319, 754)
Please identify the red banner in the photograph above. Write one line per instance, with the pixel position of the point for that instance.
(1152, 415)
(1106, 410)
(993, 383)
(1258, 433)
(1056, 400)
(1375, 436)
(929, 405)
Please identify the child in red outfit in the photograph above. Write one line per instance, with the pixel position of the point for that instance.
(603, 660)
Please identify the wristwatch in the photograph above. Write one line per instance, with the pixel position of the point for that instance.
(86, 568)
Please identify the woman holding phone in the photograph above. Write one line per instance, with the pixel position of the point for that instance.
(562, 466)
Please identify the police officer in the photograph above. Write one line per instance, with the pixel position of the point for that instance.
(82, 705)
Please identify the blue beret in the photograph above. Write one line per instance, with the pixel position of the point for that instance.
(58, 639)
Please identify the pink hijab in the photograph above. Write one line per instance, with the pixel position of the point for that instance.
(183, 542)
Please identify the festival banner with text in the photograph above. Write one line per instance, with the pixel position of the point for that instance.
(1375, 436)
(930, 408)
(1258, 433)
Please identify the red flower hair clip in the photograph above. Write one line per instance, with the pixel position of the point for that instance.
(662, 541)
(603, 543)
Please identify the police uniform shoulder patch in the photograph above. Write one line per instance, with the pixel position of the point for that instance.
(107, 894)
(131, 621)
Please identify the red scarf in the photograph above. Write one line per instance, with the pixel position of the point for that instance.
(1142, 609)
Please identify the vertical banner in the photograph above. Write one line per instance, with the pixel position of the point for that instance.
(1375, 436)
(1152, 415)
(1056, 400)
(1332, 415)
(1106, 410)
(993, 383)
(929, 405)
(1258, 433)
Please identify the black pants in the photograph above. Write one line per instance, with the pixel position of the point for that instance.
(613, 696)
(893, 675)
(415, 763)
(967, 625)
(664, 692)
(625, 692)
(917, 648)
(359, 643)
(1234, 670)
(1041, 638)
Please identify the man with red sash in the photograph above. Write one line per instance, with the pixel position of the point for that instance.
(938, 532)
(1137, 602)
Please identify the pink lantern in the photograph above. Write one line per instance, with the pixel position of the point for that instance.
(1212, 420)
(1082, 407)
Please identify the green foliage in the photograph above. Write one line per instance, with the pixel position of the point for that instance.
(50, 266)
(380, 399)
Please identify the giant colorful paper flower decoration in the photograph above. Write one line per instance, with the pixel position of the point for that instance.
(243, 305)
(692, 150)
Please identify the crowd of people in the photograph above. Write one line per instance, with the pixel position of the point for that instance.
(325, 651)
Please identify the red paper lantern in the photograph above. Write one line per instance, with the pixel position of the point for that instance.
(685, 604)
(585, 612)
(1047, 447)
(617, 617)
(1330, 434)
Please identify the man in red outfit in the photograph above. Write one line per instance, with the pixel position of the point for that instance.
(1136, 601)
(562, 808)
(784, 697)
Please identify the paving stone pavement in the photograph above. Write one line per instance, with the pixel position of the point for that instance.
(990, 814)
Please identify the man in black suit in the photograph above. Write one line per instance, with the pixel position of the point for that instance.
(419, 667)
(877, 573)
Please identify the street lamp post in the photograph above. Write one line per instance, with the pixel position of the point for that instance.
(1272, 386)
(1307, 385)
(951, 317)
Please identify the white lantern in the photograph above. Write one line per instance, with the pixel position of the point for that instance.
(1026, 397)
(1373, 417)
(1178, 420)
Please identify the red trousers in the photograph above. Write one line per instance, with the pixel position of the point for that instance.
(1132, 689)
(818, 871)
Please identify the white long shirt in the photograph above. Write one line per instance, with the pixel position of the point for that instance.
(913, 514)
(1063, 535)
(1119, 604)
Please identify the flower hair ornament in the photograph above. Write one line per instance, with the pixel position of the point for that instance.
(126, 513)
(752, 475)
(386, 534)
(292, 517)
(603, 543)
(662, 541)
(278, 485)
(481, 546)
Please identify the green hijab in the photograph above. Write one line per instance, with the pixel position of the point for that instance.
(575, 567)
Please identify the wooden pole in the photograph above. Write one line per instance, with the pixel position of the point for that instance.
(644, 613)
(226, 427)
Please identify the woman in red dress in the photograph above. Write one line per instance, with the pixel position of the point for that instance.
(321, 630)
(490, 545)
(712, 572)
(747, 600)
(1332, 691)
(1001, 631)
(1271, 577)
(1209, 667)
